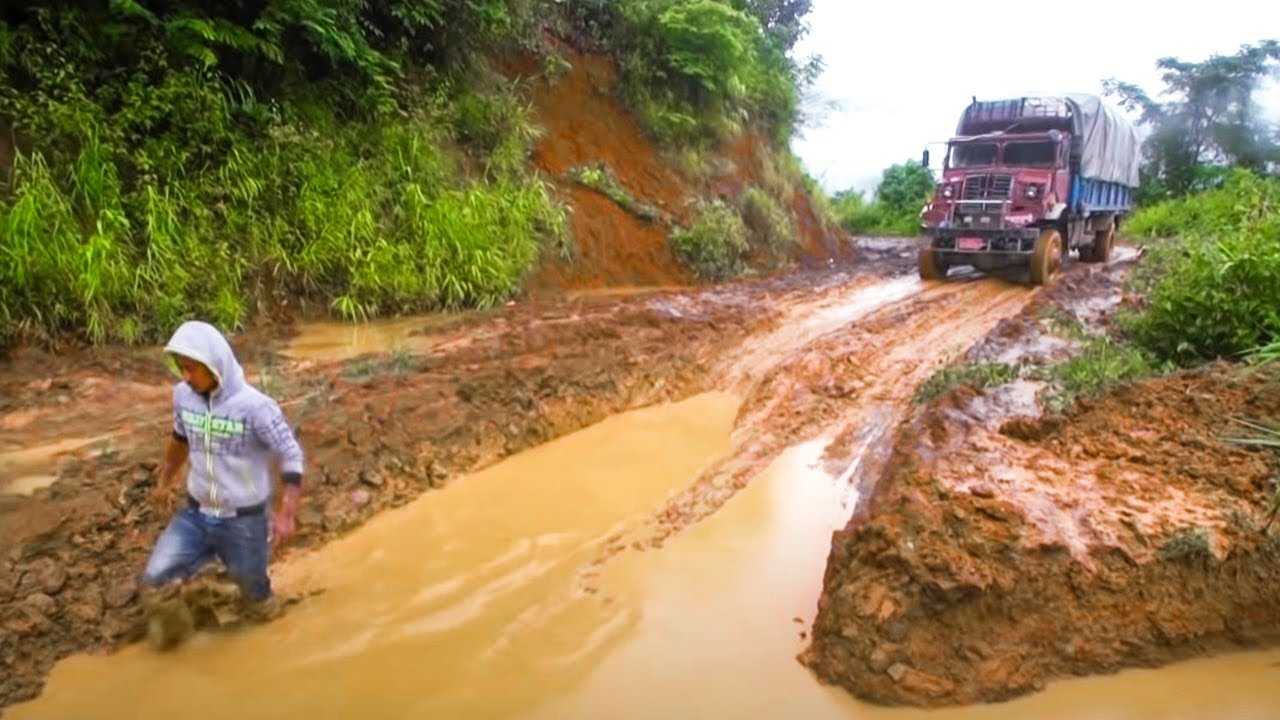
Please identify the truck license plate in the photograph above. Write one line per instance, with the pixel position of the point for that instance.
(969, 243)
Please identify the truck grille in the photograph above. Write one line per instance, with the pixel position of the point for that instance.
(987, 187)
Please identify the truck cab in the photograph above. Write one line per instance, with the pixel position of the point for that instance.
(1014, 192)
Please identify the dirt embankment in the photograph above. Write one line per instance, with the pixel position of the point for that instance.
(1002, 549)
(585, 125)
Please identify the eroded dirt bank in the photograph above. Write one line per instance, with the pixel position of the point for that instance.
(1002, 548)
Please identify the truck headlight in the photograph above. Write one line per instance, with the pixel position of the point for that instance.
(1032, 191)
(947, 192)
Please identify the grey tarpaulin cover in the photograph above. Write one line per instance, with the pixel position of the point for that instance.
(1104, 141)
(1110, 147)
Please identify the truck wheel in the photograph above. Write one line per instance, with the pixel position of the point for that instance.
(932, 267)
(1047, 258)
(1100, 251)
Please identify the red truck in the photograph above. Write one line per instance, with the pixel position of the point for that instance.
(1027, 180)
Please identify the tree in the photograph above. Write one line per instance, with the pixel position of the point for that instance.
(1211, 121)
(782, 20)
(905, 188)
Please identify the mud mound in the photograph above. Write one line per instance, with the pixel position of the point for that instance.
(987, 563)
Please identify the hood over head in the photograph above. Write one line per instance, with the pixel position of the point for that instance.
(203, 342)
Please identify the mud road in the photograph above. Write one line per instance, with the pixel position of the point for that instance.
(597, 505)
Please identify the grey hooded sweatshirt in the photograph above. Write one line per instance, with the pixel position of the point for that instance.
(233, 434)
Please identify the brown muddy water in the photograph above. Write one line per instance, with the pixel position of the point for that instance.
(326, 341)
(26, 470)
(489, 600)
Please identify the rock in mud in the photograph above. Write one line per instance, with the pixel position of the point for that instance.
(45, 576)
(309, 517)
(360, 498)
(881, 658)
(120, 624)
(921, 683)
(43, 604)
(120, 592)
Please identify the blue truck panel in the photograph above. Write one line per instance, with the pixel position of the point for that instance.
(1093, 196)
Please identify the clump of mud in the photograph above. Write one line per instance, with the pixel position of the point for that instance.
(1003, 548)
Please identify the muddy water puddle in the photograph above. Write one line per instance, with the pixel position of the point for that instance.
(486, 601)
(330, 341)
(471, 602)
(26, 470)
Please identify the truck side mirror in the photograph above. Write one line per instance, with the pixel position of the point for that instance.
(924, 159)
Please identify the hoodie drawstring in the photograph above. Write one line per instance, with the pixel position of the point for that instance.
(208, 452)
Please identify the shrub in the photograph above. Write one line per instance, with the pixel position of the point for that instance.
(1215, 291)
(714, 248)
(768, 226)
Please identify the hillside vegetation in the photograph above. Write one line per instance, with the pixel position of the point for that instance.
(167, 160)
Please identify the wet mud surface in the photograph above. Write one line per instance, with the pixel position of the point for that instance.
(996, 548)
(379, 429)
(1003, 547)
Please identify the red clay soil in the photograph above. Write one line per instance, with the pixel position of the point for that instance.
(584, 124)
(999, 551)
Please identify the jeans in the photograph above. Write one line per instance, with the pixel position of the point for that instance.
(194, 539)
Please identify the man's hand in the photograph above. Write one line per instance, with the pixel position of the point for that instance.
(166, 488)
(162, 494)
(284, 521)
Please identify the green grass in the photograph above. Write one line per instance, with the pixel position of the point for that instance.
(1102, 363)
(1062, 323)
(123, 239)
(601, 179)
(978, 376)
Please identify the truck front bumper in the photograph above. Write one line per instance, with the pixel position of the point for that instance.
(1015, 241)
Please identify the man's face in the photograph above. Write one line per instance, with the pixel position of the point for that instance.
(199, 377)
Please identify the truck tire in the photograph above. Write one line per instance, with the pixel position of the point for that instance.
(932, 267)
(1100, 250)
(1047, 258)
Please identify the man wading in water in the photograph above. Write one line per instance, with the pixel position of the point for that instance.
(228, 433)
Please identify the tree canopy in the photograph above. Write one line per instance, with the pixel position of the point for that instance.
(1209, 122)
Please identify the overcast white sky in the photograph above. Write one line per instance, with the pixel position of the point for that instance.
(902, 71)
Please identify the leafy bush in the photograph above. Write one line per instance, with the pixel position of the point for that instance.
(715, 247)
(700, 70)
(1215, 291)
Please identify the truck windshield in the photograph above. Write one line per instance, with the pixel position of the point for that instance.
(973, 155)
(1030, 154)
